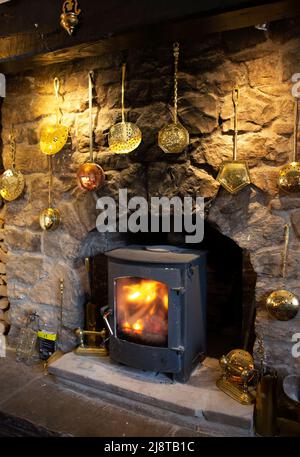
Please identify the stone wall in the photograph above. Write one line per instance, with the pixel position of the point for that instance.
(260, 63)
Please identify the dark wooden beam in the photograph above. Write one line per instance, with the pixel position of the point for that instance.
(22, 52)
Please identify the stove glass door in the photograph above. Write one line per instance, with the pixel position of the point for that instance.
(142, 311)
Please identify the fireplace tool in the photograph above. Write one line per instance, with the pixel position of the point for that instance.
(289, 175)
(50, 217)
(234, 175)
(173, 137)
(238, 375)
(53, 137)
(283, 304)
(124, 136)
(12, 182)
(90, 175)
(265, 408)
(88, 338)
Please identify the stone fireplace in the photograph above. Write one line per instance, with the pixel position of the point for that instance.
(252, 221)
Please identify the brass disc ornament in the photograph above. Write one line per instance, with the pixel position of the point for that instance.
(173, 138)
(124, 137)
(12, 184)
(12, 181)
(49, 219)
(282, 304)
(90, 176)
(234, 175)
(289, 175)
(53, 137)
(50, 216)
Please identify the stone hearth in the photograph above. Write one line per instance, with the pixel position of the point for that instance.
(261, 64)
(197, 404)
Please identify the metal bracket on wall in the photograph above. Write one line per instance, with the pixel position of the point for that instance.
(178, 290)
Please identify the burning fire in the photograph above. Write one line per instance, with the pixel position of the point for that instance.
(142, 307)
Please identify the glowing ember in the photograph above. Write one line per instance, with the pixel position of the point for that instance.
(142, 310)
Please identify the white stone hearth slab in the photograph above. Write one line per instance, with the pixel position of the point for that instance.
(197, 399)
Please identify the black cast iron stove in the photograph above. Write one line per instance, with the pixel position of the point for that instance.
(157, 308)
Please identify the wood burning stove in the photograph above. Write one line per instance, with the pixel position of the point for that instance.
(157, 308)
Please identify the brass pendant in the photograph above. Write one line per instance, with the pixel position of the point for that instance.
(173, 138)
(289, 175)
(49, 219)
(283, 304)
(12, 184)
(234, 175)
(69, 17)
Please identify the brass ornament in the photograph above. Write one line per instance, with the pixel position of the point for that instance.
(90, 176)
(53, 137)
(282, 304)
(289, 175)
(12, 181)
(124, 137)
(173, 138)
(234, 175)
(237, 375)
(50, 217)
(69, 17)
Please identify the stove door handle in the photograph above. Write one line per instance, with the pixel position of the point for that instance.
(105, 317)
